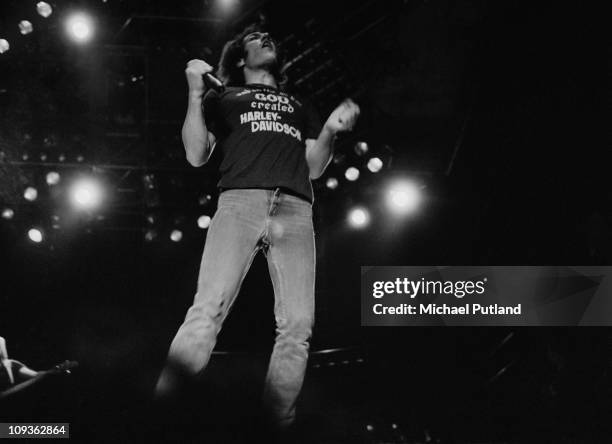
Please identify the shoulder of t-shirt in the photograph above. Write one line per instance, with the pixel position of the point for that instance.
(307, 103)
(215, 94)
(304, 102)
(210, 96)
(309, 106)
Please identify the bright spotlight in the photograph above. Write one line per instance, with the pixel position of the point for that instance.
(35, 235)
(4, 46)
(375, 164)
(204, 222)
(30, 194)
(351, 174)
(361, 148)
(404, 197)
(331, 183)
(25, 27)
(359, 217)
(53, 178)
(86, 194)
(80, 27)
(8, 213)
(176, 235)
(227, 5)
(44, 9)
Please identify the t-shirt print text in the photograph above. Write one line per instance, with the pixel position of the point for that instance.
(268, 116)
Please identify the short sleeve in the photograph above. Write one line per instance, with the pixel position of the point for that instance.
(210, 108)
(313, 125)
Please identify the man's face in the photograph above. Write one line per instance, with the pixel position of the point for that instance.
(260, 50)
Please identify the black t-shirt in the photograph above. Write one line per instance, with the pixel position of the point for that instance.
(261, 132)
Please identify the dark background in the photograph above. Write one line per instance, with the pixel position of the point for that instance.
(496, 107)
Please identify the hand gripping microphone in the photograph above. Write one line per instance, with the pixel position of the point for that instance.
(212, 82)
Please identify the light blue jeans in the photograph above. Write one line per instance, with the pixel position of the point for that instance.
(246, 222)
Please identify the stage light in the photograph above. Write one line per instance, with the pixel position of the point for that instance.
(35, 235)
(375, 164)
(332, 183)
(359, 217)
(204, 199)
(361, 148)
(55, 222)
(227, 5)
(150, 235)
(50, 141)
(204, 222)
(404, 197)
(44, 9)
(79, 27)
(8, 213)
(25, 27)
(370, 428)
(4, 46)
(352, 174)
(149, 181)
(176, 235)
(53, 178)
(30, 194)
(86, 194)
(338, 158)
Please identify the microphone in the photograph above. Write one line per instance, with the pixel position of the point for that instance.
(213, 83)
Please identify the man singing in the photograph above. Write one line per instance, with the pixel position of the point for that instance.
(272, 146)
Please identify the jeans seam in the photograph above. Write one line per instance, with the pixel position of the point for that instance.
(278, 295)
(247, 267)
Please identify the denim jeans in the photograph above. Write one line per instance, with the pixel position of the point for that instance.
(247, 221)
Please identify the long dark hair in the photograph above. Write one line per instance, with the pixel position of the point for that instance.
(232, 75)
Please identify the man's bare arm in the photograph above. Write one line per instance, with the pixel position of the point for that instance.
(197, 140)
(319, 152)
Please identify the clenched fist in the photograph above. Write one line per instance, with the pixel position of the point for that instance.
(343, 118)
(194, 72)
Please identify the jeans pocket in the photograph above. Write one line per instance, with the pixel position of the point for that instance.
(230, 199)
